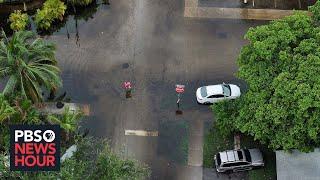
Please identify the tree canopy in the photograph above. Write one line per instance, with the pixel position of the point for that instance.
(281, 65)
(315, 10)
(93, 159)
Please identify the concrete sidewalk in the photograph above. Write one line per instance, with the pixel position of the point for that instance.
(236, 13)
(195, 155)
(190, 173)
(192, 9)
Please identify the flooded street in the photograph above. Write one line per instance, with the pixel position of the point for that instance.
(151, 44)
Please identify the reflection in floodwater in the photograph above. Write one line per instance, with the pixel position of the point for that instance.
(76, 14)
(72, 17)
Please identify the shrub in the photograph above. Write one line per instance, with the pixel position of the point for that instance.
(52, 10)
(93, 159)
(18, 20)
(80, 2)
(315, 10)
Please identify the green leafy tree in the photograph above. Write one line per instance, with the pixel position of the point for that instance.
(18, 20)
(281, 65)
(225, 116)
(315, 10)
(105, 164)
(93, 159)
(30, 66)
(51, 11)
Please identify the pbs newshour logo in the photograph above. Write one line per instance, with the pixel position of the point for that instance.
(35, 147)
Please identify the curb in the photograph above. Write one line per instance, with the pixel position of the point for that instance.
(236, 13)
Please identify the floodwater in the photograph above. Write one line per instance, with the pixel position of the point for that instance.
(151, 44)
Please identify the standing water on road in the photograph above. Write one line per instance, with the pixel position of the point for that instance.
(152, 45)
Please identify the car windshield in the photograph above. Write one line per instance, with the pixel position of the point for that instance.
(203, 92)
(226, 90)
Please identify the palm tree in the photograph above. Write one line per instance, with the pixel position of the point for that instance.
(68, 120)
(30, 65)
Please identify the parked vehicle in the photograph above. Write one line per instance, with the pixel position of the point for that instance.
(215, 93)
(238, 160)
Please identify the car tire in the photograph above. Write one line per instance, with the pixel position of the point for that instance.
(257, 167)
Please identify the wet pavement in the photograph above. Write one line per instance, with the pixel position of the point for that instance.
(151, 44)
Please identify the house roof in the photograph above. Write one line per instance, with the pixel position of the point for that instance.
(298, 165)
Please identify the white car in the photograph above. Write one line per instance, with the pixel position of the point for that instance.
(215, 93)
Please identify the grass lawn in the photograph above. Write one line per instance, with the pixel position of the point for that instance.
(214, 142)
(269, 171)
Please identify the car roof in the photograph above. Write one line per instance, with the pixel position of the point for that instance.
(214, 89)
(229, 156)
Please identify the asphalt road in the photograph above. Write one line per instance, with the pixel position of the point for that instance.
(151, 44)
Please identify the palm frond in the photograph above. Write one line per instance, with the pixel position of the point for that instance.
(10, 86)
(33, 88)
(5, 71)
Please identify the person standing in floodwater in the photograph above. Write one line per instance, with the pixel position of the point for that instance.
(128, 88)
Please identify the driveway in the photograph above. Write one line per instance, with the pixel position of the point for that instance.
(151, 44)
